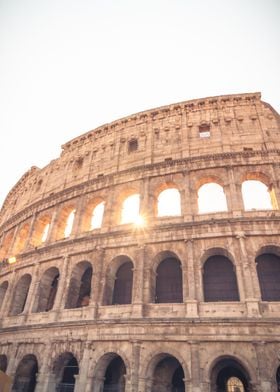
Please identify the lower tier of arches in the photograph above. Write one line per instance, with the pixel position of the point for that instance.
(80, 364)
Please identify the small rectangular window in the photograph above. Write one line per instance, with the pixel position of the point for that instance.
(204, 131)
(132, 145)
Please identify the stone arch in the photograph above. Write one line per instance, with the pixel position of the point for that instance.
(6, 245)
(80, 287)
(217, 251)
(162, 196)
(62, 220)
(219, 276)
(3, 290)
(122, 195)
(47, 290)
(41, 229)
(89, 212)
(268, 270)
(225, 367)
(3, 362)
(167, 279)
(166, 370)
(211, 196)
(265, 191)
(110, 372)
(126, 278)
(65, 368)
(25, 376)
(20, 295)
(21, 238)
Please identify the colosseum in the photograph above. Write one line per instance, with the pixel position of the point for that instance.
(146, 258)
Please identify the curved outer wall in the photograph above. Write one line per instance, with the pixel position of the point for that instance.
(244, 143)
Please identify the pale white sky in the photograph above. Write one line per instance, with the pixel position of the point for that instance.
(69, 66)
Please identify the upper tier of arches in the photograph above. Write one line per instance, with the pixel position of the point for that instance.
(131, 206)
(198, 128)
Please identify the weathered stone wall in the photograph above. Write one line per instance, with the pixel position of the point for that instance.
(243, 144)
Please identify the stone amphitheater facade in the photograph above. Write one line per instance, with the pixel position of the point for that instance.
(188, 302)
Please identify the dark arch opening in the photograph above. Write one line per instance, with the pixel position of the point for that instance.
(122, 292)
(278, 379)
(268, 269)
(219, 280)
(3, 290)
(25, 377)
(65, 369)
(47, 290)
(228, 375)
(169, 281)
(114, 379)
(20, 295)
(168, 376)
(80, 286)
(3, 362)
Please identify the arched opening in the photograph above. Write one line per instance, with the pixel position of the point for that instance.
(228, 375)
(268, 269)
(65, 222)
(6, 245)
(257, 196)
(97, 216)
(169, 203)
(211, 198)
(41, 230)
(3, 290)
(47, 290)
(168, 376)
(25, 377)
(122, 292)
(114, 378)
(65, 369)
(130, 209)
(20, 295)
(169, 288)
(21, 238)
(69, 224)
(219, 280)
(278, 379)
(3, 362)
(80, 286)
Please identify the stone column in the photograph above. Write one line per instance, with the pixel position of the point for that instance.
(195, 366)
(44, 376)
(33, 290)
(262, 364)
(251, 301)
(82, 378)
(136, 351)
(30, 233)
(63, 286)
(235, 194)
(78, 218)
(138, 283)
(189, 279)
(9, 295)
(100, 281)
(97, 384)
(11, 247)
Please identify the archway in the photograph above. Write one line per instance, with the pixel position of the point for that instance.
(169, 281)
(25, 377)
(3, 362)
(122, 292)
(168, 375)
(219, 280)
(47, 290)
(268, 269)
(228, 375)
(80, 286)
(20, 295)
(3, 290)
(114, 378)
(65, 369)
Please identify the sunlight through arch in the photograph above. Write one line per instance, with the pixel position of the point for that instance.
(45, 233)
(130, 209)
(169, 203)
(69, 224)
(211, 198)
(97, 216)
(256, 196)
